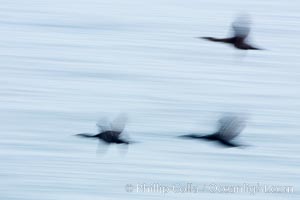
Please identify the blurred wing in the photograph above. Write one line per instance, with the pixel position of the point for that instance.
(241, 27)
(231, 127)
(103, 125)
(119, 123)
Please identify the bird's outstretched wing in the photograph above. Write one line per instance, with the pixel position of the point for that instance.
(103, 125)
(230, 127)
(118, 124)
(241, 26)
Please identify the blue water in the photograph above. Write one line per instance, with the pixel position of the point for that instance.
(66, 64)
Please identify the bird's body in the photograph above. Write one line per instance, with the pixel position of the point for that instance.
(241, 30)
(110, 133)
(237, 42)
(230, 127)
(212, 137)
(109, 137)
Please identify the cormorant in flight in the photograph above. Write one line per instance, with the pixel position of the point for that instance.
(241, 30)
(229, 128)
(112, 133)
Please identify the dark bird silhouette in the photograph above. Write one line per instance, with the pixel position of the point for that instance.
(108, 137)
(110, 134)
(241, 30)
(229, 128)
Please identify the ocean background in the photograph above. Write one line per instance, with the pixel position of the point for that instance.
(66, 64)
